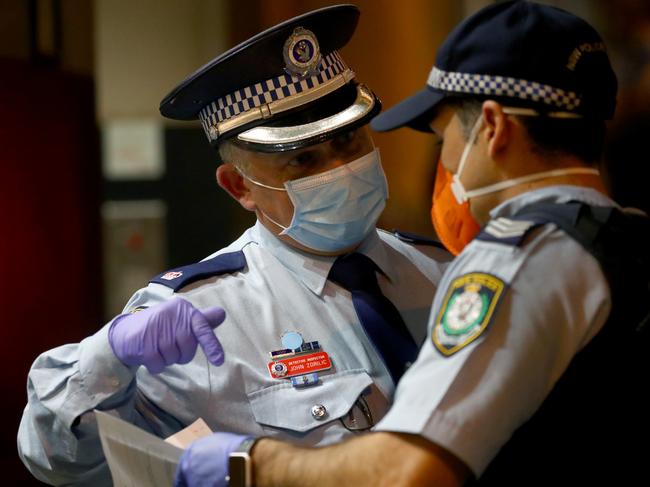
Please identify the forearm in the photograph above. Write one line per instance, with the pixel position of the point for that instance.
(58, 438)
(375, 459)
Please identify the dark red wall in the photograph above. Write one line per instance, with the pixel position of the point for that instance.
(49, 229)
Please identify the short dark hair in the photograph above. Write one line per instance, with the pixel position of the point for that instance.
(583, 138)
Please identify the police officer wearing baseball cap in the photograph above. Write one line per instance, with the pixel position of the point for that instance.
(319, 313)
(538, 326)
(534, 364)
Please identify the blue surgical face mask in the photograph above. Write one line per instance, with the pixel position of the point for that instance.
(335, 209)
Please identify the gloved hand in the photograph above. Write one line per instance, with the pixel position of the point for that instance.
(166, 334)
(205, 462)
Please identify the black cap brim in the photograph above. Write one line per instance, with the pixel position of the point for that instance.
(409, 112)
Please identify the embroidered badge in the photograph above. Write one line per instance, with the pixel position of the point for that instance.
(301, 53)
(466, 311)
(172, 275)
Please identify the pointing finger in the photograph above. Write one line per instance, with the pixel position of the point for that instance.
(204, 333)
(215, 315)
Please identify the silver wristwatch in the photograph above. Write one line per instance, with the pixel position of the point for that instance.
(240, 465)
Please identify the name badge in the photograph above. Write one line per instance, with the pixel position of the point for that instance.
(299, 365)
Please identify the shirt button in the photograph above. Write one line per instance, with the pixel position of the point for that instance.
(318, 411)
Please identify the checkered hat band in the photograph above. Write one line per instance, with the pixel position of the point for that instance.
(268, 91)
(485, 84)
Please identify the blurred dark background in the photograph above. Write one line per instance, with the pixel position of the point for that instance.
(98, 193)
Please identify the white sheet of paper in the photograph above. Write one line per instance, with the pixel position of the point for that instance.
(136, 458)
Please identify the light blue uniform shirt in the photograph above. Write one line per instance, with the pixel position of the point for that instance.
(556, 299)
(279, 290)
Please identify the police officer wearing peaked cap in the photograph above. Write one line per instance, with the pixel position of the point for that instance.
(312, 282)
(534, 367)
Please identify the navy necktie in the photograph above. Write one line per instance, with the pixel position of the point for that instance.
(379, 317)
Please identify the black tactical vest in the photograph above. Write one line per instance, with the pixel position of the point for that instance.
(593, 428)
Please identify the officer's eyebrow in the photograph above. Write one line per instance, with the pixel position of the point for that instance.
(286, 156)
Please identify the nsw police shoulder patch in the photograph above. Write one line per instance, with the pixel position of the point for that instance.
(466, 311)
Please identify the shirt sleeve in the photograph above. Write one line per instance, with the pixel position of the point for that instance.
(58, 439)
(472, 401)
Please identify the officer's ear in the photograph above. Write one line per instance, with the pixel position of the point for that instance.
(498, 128)
(230, 179)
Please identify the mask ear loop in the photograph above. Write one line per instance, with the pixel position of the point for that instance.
(257, 183)
(284, 229)
(459, 190)
(493, 188)
(456, 185)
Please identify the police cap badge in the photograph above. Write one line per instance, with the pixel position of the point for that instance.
(285, 88)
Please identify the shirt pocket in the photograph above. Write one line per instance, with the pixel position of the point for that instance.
(302, 409)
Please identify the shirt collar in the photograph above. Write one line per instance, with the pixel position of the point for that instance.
(551, 194)
(313, 269)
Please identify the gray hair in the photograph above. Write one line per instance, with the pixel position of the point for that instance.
(231, 153)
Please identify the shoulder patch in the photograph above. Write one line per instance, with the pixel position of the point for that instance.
(415, 239)
(466, 311)
(182, 276)
(507, 231)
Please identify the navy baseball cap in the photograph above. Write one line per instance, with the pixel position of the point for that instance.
(522, 53)
(285, 88)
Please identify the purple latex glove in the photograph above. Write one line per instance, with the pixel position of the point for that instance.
(205, 462)
(166, 334)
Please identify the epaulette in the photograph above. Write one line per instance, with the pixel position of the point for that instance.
(182, 276)
(507, 231)
(415, 239)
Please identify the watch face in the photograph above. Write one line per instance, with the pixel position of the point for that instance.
(239, 470)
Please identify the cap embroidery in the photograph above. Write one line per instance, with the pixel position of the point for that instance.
(172, 275)
(576, 54)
